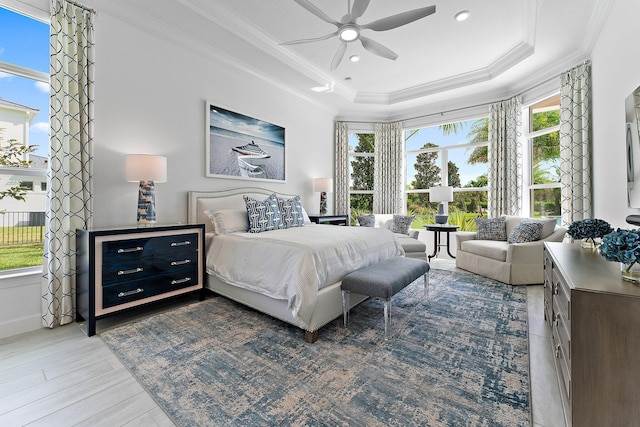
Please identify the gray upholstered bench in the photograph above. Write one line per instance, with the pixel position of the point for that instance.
(383, 280)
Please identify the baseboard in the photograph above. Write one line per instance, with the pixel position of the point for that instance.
(19, 326)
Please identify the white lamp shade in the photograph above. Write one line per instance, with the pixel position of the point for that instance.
(323, 185)
(441, 194)
(145, 167)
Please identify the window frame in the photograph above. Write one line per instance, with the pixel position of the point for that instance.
(528, 200)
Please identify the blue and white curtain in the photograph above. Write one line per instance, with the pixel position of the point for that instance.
(575, 144)
(341, 180)
(505, 158)
(69, 189)
(387, 178)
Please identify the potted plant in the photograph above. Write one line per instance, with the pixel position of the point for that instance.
(623, 246)
(588, 230)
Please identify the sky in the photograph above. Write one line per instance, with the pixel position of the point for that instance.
(25, 42)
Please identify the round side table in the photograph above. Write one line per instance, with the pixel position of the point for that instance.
(437, 238)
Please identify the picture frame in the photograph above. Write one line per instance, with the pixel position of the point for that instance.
(243, 147)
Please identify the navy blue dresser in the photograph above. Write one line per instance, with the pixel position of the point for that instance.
(123, 268)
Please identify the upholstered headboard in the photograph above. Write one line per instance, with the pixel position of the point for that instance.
(200, 201)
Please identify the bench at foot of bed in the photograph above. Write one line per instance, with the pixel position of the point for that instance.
(383, 280)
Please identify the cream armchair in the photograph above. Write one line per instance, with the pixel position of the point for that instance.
(512, 263)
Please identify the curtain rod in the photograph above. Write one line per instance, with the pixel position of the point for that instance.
(81, 6)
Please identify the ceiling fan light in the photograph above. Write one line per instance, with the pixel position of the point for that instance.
(348, 33)
(462, 15)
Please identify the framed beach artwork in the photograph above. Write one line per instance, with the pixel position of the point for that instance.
(243, 147)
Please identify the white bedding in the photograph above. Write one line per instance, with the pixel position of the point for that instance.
(292, 264)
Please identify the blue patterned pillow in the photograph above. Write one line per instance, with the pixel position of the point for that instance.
(368, 220)
(525, 232)
(401, 223)
(263, 215)
(491, 228)
(291, 212)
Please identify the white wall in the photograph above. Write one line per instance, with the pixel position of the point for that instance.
(150, 98)
(616, 73)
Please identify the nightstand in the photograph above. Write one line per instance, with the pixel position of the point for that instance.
(123, 268)
(330, 219)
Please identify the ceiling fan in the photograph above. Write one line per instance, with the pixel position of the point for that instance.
(349, 31)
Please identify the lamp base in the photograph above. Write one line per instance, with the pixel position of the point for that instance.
(323, 203)
(146, 214)
(442, 219)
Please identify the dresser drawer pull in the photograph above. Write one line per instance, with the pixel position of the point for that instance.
(555, 318)
(185, 243)
(127, 293)
(128, 250)
(556, 288)
(178, 281)
(558, 351)
(132, 271)
(183, 262)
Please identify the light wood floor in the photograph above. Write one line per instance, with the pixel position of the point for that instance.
(60, 377)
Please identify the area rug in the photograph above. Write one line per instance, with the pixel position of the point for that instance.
(457, 358)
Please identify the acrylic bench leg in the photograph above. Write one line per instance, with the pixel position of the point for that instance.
(387, 315)
(345, 307)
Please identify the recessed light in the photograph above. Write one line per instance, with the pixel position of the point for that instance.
(354, 58)
(462, 15)
(320, 88)
(347, 79)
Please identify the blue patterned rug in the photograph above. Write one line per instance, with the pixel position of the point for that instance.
(457, 359)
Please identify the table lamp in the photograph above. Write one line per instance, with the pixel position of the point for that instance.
(441, 194)
(322, 186)
(147, 170)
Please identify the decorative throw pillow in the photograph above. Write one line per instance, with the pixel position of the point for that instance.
(525, 232)
(491, 228)
(263, 215)
(291, 212)
(548, 225)
(229, 220)
(401, 223)
(367, 220)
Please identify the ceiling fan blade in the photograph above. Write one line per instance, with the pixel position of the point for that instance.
(400, 19)
(315, 39)
(359, 6)
(338, 56)
(378, 49)
(317, 12)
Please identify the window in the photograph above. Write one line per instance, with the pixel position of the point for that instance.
(27, 185)
(453, 154)
(43, 186)
(24, 121)
(361, 169)
(544, 157)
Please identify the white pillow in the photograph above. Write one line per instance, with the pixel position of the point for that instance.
(229, 220)
(307, 220)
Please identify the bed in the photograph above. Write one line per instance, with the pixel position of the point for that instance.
(294, 275)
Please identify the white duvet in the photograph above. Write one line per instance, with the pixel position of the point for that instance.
(292, 264)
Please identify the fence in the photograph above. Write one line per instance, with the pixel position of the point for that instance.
(18, 228)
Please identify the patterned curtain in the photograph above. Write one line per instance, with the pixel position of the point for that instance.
(69, 189)
(387, 175)
(505, 159)
(575, 144)
(342, 169)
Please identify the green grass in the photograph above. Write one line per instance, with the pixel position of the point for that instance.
(26, 234)
(20, 256)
